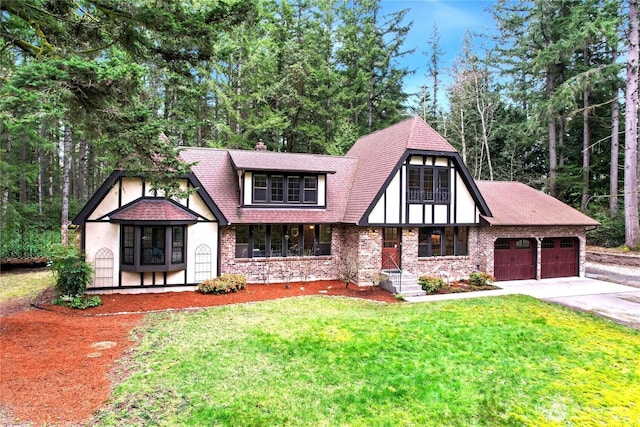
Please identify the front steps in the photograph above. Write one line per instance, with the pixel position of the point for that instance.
(403, 283)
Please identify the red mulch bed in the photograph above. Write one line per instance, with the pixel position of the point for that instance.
(52, 375)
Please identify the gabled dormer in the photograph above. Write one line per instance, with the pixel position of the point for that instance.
(409, 175)
(281, 180)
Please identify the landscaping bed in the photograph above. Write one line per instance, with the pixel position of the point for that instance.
(56, 361)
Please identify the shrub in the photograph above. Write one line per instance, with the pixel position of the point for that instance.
(430, 284)
(224, 284)
(71, 271)
(81, 302)
(610, 234)
(479, 278)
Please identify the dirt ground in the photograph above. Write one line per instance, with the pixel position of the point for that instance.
(56, 362)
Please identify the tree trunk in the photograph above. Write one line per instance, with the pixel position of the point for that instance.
(64, 225)
(82, 167)
(615, 148)
(586, 140)
(462, 138)
(553, 154)
(632, 228)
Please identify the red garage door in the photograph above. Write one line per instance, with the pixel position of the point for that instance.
(514, 259)
(559, 257)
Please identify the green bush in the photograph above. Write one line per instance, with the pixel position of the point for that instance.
(430, 284)
(71, 271)
(224, 284)
(81, 302)
(610, 233)
(479, 278)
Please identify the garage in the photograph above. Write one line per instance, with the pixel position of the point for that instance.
(559, 257)
(514, 259)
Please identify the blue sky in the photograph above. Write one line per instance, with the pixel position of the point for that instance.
(452, 17)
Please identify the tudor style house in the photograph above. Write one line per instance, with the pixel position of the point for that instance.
(401, 199)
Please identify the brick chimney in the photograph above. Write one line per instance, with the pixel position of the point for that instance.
(260, 146)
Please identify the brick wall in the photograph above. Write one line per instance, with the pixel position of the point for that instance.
(366, 243)
(278, 269)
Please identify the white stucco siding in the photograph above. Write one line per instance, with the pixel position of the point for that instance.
(416, 214)
(377, 213)
(131, 189)
(108, 204)
(440, 214)
(393, 195)
(248, 187)
(322, 190)
(197, 205)
(467, 211)
(101, 235)
(198, 234)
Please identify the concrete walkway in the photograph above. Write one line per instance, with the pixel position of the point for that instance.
(616, 302)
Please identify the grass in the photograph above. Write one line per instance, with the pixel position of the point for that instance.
(24, 285)
(339, 362)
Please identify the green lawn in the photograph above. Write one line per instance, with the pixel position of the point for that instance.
(340, 362)
(24, 285)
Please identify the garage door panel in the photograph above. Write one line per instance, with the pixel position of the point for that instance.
(559, 257)
(514, 259)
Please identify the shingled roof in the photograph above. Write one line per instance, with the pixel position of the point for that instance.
(378, 155)
(514, 203)
(215, 170)
(153, 210)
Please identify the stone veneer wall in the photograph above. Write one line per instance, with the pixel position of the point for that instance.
(366, 243)
(448, 267)
(278, 269)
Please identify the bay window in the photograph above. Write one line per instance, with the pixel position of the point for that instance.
(153, 247)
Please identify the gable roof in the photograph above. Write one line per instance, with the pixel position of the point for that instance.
(215, 171)
(515, 203)
(153, 210)
(108, 184)
(380, 153)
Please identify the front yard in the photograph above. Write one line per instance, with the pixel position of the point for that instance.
(335, 361)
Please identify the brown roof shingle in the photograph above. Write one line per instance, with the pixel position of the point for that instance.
(379, 153)
(153, 210)
(215, 171)
(514, 203)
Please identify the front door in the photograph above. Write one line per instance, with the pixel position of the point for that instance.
(391, 248)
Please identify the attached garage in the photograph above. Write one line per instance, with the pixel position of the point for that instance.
(514, 259)
(559, 257)
(533, 235)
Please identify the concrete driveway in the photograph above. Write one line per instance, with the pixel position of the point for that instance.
(619, 303)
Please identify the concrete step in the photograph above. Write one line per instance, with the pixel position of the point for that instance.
(405, 284)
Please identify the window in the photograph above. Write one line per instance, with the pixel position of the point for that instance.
(566, 243)
(285, 189)
(252, 241)
(442, 241)
(277, 188)
(310, 189)
(428, 184)
(153, 248)
(293, 189)
(523, 244)
(548, 244)
(260, 188)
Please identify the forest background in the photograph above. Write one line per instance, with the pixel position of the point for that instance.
(551, 99)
